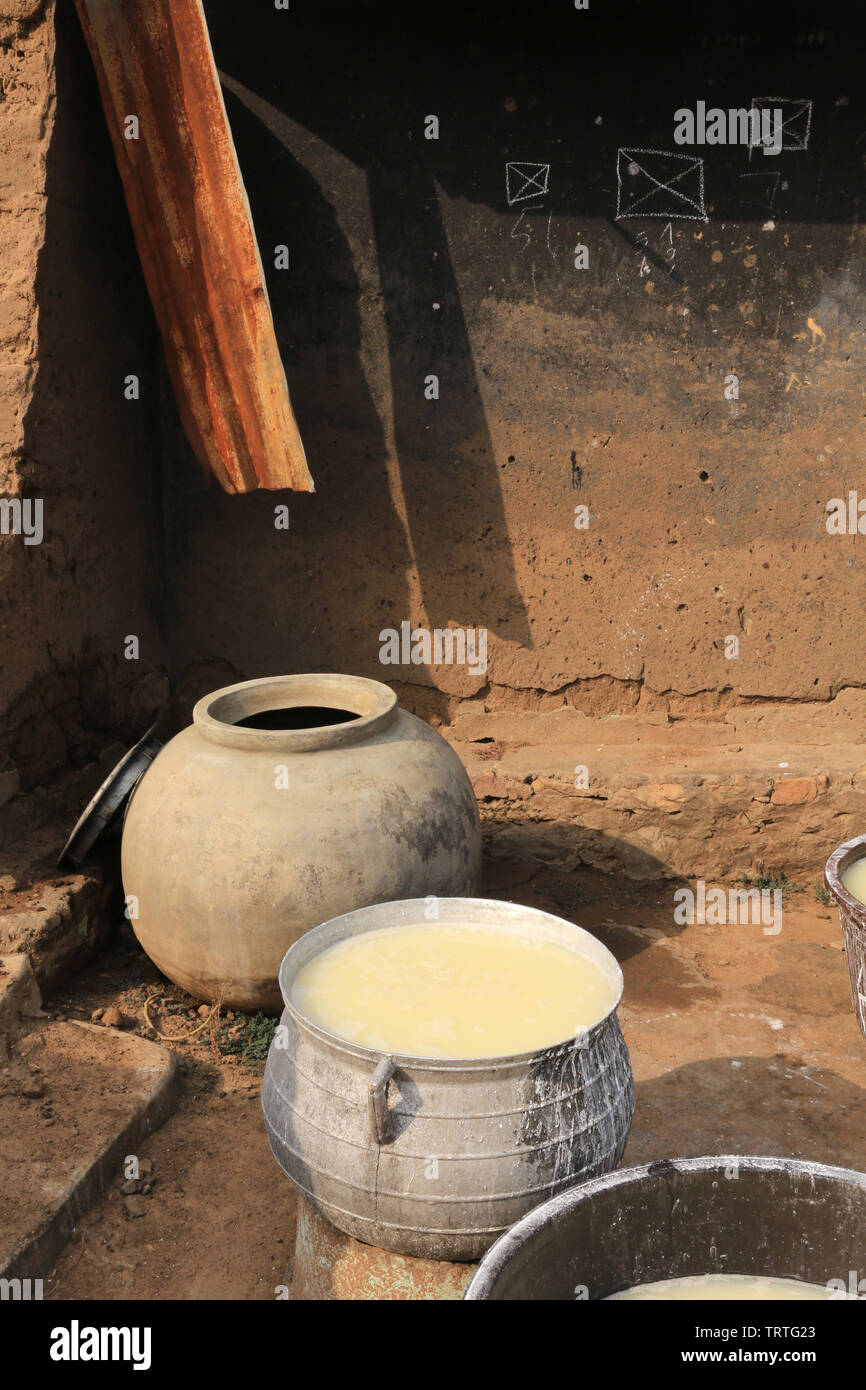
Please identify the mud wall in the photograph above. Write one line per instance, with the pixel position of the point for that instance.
(590, 387)
(79, 566)
(559, 386)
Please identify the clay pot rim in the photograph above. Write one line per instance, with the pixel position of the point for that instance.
(301, 949)
(216, 715)
(839, 861)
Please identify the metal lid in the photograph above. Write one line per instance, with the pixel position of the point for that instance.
(107, 801)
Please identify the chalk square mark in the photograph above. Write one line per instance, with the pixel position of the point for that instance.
(524, 179)
(659, 183)
(796, 119)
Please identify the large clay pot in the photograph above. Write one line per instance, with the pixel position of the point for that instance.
(238, 838)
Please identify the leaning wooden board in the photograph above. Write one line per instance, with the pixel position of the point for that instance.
(192, 226)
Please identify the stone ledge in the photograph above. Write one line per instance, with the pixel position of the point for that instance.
(54, 915)
(56, 918)
(662, 799)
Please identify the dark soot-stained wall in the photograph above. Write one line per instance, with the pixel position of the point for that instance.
(559, 386)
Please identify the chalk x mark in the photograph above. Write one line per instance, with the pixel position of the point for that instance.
(525, 180)
(659, 183)
(796, 120)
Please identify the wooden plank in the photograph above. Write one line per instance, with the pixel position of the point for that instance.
(194, 234)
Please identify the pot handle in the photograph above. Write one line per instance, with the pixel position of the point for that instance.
(377, 1100)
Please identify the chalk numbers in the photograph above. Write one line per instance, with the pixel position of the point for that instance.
(663, 247)
(528, 232)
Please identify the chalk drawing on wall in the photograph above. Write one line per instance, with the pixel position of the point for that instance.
(796, 119)
(525, 180)
(771, 182)
(659, 183)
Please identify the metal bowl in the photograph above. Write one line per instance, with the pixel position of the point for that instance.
(690, 1216)
(436, 1157)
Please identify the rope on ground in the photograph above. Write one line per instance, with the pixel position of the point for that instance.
(177, 1037)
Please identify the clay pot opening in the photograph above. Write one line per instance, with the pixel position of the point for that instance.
(295, 713)
(296, 717)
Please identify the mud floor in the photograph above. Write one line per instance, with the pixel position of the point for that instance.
(741, 1042)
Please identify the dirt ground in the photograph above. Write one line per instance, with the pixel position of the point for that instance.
(741, 1042)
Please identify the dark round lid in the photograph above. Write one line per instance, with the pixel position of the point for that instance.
(107, 801)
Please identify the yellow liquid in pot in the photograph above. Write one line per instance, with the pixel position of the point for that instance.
(726, 1287)
(854, 879)
(452, 990)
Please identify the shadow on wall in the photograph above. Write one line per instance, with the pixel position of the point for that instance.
(448, 478)
(90, 456)
(447, 468)
(316, 315)
(329, 171)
